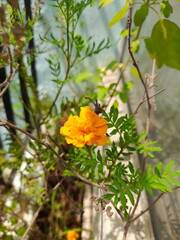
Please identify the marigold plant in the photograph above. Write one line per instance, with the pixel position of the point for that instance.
(88, 128)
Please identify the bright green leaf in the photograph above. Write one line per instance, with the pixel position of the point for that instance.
(105, 2)
(140, 15)
(168, 167)
(134, 72)
(125, 32)
(135, 45)
(142, 136)
(119, 15)
(97, 79)
(82, 76)
(172, 180)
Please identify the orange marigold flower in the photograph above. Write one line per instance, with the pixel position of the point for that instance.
(72, 235)
(88, 128)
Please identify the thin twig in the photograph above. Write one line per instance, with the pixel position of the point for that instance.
(152, 204)
(145, 99)
(134, 61)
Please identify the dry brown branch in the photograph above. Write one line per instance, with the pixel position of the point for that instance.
(8, 80)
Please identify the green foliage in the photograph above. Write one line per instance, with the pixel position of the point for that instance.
(161, 179)
(141, 14)
(163, 45)
(119, 15)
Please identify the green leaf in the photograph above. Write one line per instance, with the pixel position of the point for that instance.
(123, 200)
(166, 8)
(124, 97)
(9, 237)
(101, 94)
(127, 86)
(97, 79)
(163, 45)
(172, 180)
(99, 156)
(135, 45)
(134, 72)
(116, 200)
(126, 31)
(20, 231)
(115, 115)
(151, 155)
(154, 149)
(108, 196)
(148, 188)
(82, 77)
(131, 167)
(140, 15)
(142, 136)
(119, 15)
(158, 168)
(111, 64)
(168, 167)
(113, 189)
(105, 2)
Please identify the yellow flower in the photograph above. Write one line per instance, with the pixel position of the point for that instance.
(88, 128)
(72, 235)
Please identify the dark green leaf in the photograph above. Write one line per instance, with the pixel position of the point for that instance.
(108, 196)
(115, 115)
(166, 8)
(140, 15)
(131, 167)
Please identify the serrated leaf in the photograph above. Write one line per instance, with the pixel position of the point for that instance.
(168, 167)
(119, 15)
(140, 15)
(82, 77)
